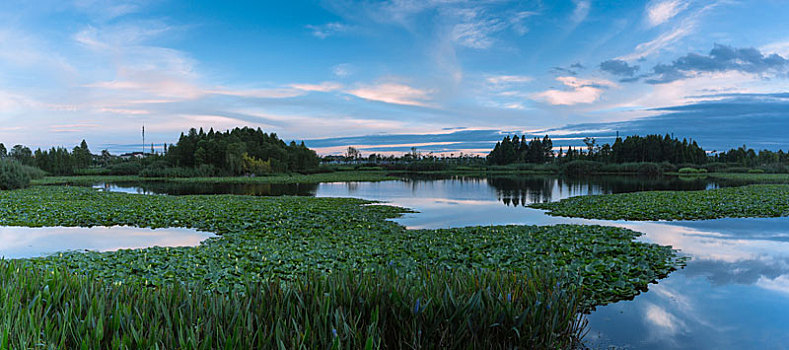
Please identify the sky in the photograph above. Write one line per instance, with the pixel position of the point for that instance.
(442, 75)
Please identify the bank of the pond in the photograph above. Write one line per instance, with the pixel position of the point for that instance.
(734, 202)
(284, 237)
(344, 176)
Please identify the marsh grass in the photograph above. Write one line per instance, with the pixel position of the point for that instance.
(384, 309)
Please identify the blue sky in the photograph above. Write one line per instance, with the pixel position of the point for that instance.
(99, 69)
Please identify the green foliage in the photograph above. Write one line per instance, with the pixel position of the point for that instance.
(33, 172)
(746, 179)
(382, 309)
(132, 167)
(283, 237)
(747, 201)
(60, 161)
(517, 149)
(13, 175)
(256, 166)
(581, 167)
(691, 171)
(225, 151)
(755, 171)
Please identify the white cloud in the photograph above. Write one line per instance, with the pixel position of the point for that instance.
(661, 42)
(508, 79)
(328, 29)
(342, 70)
(581, 11)
(685, 28)
(580, 91)
(659, 12)
(326, 86)
(394, 93)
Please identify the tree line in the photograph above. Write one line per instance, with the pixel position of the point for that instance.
(632, 149)
(239, 151)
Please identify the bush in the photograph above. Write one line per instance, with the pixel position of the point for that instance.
(92, 172)
(667, 167)
(649, 169)
(775, 168)
(33, 172)
(715, 167)
(163, 169)
(125, 168)
(688, 171)
(13, 175)
(756, 171)
(581, 167)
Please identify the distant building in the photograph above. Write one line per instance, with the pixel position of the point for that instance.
(138, 155)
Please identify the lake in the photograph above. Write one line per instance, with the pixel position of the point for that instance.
(734, 293)
(27, 242)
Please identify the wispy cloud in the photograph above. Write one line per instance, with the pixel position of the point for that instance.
(683, 29)
(329, 29)
(581, 11)
(578, 91)
(659, 12)
(509, 79)
(394, 93)
(326, 86)
(661, 42)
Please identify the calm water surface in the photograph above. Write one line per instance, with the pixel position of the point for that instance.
(734, 293)
(27, 242)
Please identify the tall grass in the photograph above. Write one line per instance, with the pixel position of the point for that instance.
(480, 309)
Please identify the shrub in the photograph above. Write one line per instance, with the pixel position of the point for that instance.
(688, 171)
(649, 169)
(775, 168)
(125, 168)
(667, 167)
(33, 172)
(715, 167)
(581, 167)
(13, 175)
(755, 171)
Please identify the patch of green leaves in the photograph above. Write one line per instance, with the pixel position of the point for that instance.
(737, 202)
(265, 238)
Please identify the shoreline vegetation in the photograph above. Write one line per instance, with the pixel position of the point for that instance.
(284, 241)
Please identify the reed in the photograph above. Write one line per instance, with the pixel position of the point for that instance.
(384, 309)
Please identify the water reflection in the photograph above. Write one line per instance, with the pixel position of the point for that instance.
(178, 189)
(522, 190)
(734, 293)
(26, 242)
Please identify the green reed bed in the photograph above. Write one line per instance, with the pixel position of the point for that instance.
(445, 309)
(738, 202)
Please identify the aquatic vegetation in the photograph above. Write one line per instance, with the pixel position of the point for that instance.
(283, 237)
(739, 202)
(380, 309)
